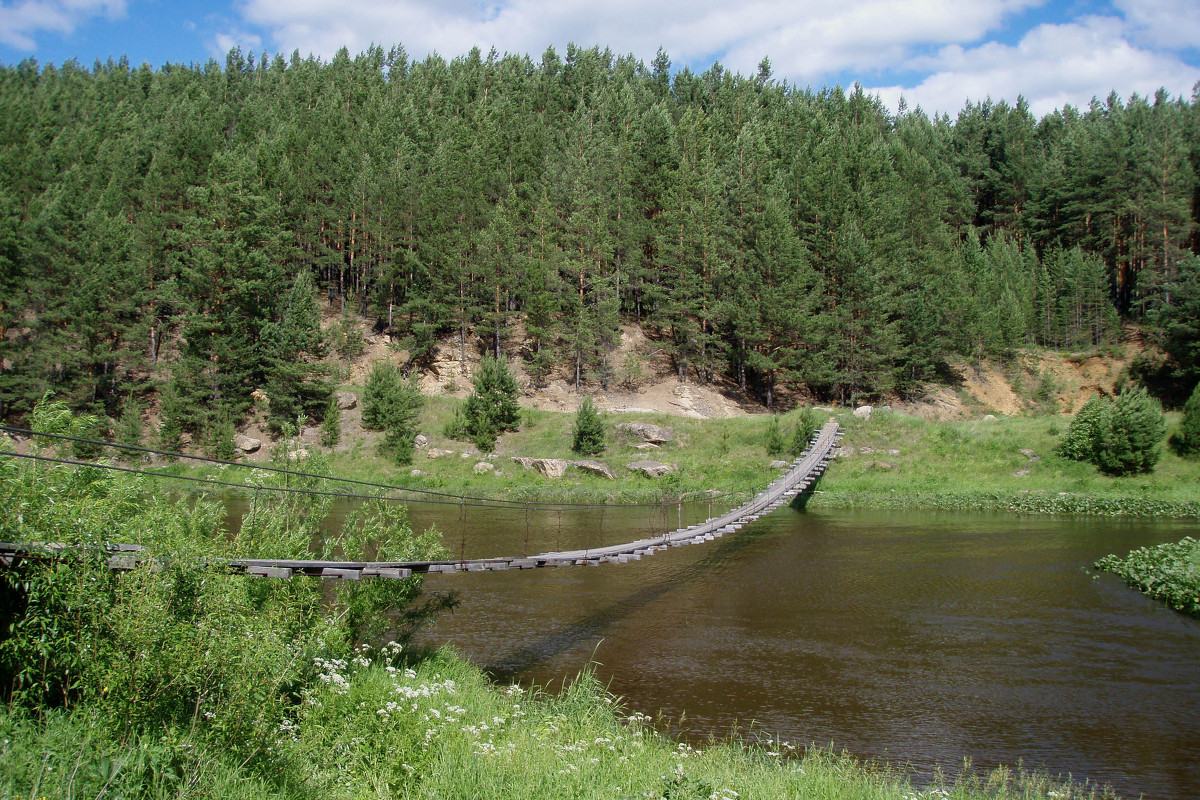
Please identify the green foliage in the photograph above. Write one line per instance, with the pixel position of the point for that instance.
(775, 442)
(806, 423)
(589, 436)
(492, 407)
(1167, 572)
(129, 428)
(331, 424)
(1131, 442)
(1083, 435)
(1187, 441)
(393, 404)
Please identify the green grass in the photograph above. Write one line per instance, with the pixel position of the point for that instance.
(966, 465)
(973, 466)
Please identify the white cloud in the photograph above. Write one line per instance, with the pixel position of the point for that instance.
(1053, 65)
(807, 40)
(1173, 24)
(21, 21)
(223, 42)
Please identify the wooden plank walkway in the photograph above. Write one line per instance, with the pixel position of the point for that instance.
(803, 472)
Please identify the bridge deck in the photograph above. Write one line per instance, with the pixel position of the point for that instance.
(802, 473)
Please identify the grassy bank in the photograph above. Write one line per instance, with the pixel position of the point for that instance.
(189, 682)
(897, 461)
(890, 461)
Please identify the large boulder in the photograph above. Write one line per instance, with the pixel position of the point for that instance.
(654, 434)
(550, 467)
(246, 444)
(347, 400)
(863, 412)
(594, 468)
(482, 467)
(651, 469)
(421, 441)
(433, 452)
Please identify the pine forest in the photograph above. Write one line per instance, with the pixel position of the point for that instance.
(173, 236)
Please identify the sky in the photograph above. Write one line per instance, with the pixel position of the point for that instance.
(936, 54)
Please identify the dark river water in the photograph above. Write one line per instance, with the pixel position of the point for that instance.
(918, 638)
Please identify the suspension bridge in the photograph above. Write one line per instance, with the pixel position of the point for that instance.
(799, 476)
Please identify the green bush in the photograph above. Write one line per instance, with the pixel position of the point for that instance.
(492, 407)
(775, 442)
(1082, 436)
(392, 404)
(589, 430)
(1187, 441)
(1130, 443)
(331, 424)
(1168, 572)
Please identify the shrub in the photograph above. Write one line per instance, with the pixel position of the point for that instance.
(1084, 433)
(392, 404)
(775, 441)
(1130, 443)
(492, 407)
(589, 430)
(331, 425)
(1187, 441)
(807, 423)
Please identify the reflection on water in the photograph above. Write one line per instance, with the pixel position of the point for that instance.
(919, 638)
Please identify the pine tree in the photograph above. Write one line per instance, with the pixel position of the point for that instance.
(129, 428)
(492, 407)
(393, 405)
(1083, 435)
(775, 441)
(1187, 441)
(589, 430)
(331, 424)
(1130, 444)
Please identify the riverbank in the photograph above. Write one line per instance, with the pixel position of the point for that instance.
(891, 460)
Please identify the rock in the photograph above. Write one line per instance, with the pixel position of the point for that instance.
(866, 451)
(550, 467)
(246, 444)
(863, 412)
(433, 452)
(421, 442)
(645, 446)
(893, 452)
(594, 468)
(299, 454)
(482, 467)
(843, 452)
(989, 417)
(347, 400)
(779, 465)
(651, 469)
(1030, 454)
(655, 434)
(465, 454)
(1022, 473)
(416, 472)
(882, 465)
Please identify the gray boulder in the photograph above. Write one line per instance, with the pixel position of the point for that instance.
(651, 469)
(550, 467)
(347, 400)
(482, 467)
(654, 434)
(779, 464)
(594, 468)
(421, 441)
(246, 444)
(863, 412)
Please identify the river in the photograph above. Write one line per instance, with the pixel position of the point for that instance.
(922, 639)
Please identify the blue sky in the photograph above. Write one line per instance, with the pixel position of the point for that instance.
(938, 54)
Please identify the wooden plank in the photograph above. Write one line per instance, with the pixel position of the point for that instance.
(395, 573)
(340, 574)
(279, 573)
